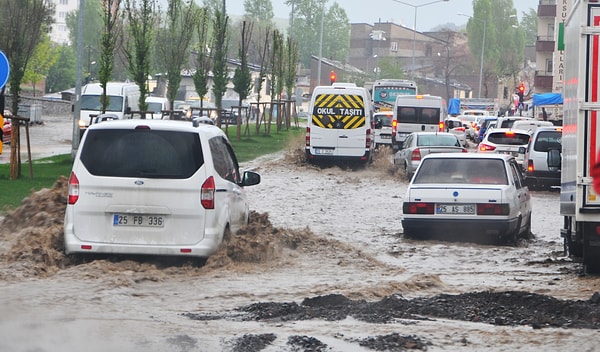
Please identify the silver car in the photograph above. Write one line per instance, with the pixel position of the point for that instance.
(419, 144)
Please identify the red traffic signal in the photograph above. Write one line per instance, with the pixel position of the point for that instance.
(332, 77)
(521, 92)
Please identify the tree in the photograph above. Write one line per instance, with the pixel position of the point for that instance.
(93, 24)
(111, 32)
(62, 74)
(277, 72)
(289, 73)
(307, 17)
(529, 24)
(242, 79)
(174, 42)
(44, 56)
(219, 49)
(260, 13)
(451, 58)
(203, 61)
(25, 23)
(142, 21)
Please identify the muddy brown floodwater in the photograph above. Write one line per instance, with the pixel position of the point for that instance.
(323, 266)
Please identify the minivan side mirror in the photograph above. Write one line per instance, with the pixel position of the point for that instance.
(250, 178)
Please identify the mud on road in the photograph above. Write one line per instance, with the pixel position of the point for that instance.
(322, 266)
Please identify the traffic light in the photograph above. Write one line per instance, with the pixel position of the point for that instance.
(520, 92)
(332, 77)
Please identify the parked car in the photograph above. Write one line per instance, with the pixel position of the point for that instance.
(506, 141)
(476, 197)
(383, 128)
(458, 128)
(542, 159)
(154, 187)
(419, 144)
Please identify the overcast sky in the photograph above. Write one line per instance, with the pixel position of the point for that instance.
(371, 11)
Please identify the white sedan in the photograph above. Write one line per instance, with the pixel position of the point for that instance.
(477, 197)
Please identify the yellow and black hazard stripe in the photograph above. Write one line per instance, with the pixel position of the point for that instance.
(339, 111)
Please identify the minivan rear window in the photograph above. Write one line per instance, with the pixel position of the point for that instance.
(429, 116)
(508, 138)
(142, 153)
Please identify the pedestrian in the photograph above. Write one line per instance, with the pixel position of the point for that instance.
(544, 114)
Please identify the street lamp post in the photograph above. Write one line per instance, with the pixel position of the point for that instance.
(412, 71)
(482, 50)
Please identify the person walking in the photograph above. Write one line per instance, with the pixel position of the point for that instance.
(544, 114)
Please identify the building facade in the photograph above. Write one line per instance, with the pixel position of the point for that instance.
(60, 33)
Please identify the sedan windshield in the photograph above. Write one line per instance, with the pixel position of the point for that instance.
(462, 171)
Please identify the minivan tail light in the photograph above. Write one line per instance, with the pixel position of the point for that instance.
(530, 165)
(492, 209)
(368, 141)
(394, 127)
(207, 193)
(418, 208)
(73, 189)
(307, 138)
(415, 155)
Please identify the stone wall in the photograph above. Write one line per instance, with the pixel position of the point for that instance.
(49, 107)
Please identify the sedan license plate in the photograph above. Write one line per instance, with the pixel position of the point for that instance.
(455, 209)
(324, 151)
(139, 220)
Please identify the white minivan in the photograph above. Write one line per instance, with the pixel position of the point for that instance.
(414, 113)
(156, 105)
(154, 187)
(341, 126)
(123, 98)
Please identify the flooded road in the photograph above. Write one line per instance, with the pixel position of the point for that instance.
(323, 266)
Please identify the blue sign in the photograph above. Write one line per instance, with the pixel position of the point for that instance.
(4, 69)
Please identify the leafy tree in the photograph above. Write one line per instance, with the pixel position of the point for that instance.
(504, 44)
(62, 74)
(452, 58)
(242, 79)
(25, 24)
(336, 39)
(142, 21)
(111, 32)
(44, 56)
(289, 72)
(203, 61)
(307, 17)
(219, 49)
(529, 24)
(260, 13)
(93, 24)
(175, 40)
(277, 72)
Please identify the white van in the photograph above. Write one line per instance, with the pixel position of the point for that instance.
(154, 187)
(341, 124)
(414, 113)
(123, 99)
(157, 105)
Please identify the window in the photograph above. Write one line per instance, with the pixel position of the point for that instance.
(142, 153)
(64, 2)
(394, 46)
(224, 160)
